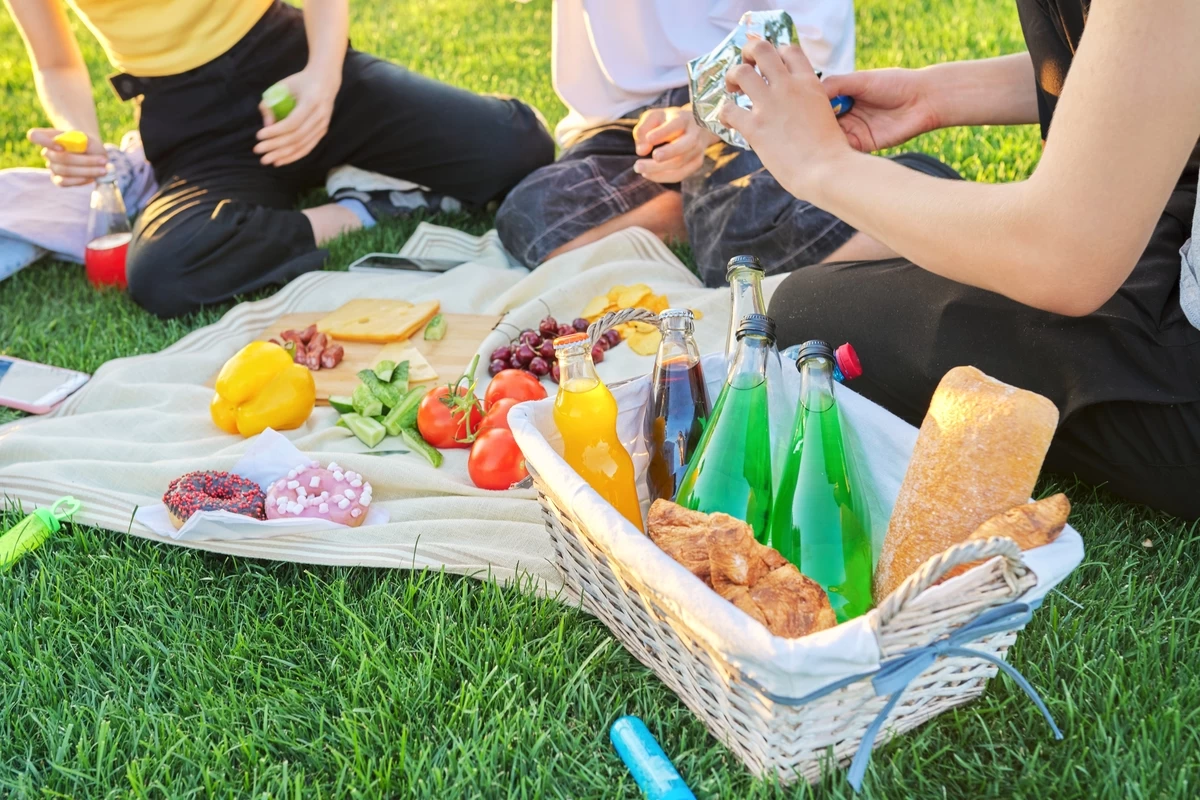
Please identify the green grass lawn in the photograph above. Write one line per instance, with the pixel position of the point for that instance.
(129, 668)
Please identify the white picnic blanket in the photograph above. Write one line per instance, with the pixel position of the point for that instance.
(144, 420)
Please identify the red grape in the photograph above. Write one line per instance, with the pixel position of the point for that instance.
(501, 354)
(554, 372)
(580, 324)
(566, 330)
(539, 367)
(597, 354)
(546, 351)
(524, 355)
(497, 365)
(548, 327)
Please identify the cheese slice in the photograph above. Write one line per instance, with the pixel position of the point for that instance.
(419, 370)
(367, 320)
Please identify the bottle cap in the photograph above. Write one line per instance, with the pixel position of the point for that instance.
(814, 348)
(676, 312)
(109, 176)
(570, 339)
(847, 361)
(742, 262)
(756, 325)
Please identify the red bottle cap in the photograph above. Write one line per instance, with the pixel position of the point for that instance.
(847, 361)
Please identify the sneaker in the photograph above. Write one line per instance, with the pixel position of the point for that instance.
(390, 203)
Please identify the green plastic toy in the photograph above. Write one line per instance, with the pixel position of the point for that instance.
(29, 533)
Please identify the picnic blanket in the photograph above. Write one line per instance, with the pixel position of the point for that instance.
(144, 420)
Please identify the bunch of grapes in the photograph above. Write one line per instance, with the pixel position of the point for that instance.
(533, 351)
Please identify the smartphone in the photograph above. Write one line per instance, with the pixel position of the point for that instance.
(36, 388)
(387, 262)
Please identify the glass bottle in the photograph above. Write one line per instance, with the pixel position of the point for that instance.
(679, 406)
(586, 415)
(819, 521)
(846, 365)
(731, 470)
(745, 276)
(108, 234)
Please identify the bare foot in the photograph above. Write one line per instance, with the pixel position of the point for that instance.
(662, 216)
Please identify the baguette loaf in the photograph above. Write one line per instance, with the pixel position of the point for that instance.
(978, 454)
(1030, 525)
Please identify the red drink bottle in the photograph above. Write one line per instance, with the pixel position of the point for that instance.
(108, 234)
(679, 406)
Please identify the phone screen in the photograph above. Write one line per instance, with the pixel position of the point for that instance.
(25, 382)
(404, 263)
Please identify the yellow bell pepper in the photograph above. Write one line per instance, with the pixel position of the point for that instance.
(261, 387)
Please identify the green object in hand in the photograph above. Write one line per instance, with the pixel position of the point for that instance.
(29, 533)
(280, 100)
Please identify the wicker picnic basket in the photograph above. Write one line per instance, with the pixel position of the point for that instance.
(794, 737)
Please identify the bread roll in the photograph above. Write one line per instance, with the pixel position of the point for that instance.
(978, 454)
(722, 551)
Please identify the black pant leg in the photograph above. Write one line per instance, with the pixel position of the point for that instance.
(202, 240)
(390, 120)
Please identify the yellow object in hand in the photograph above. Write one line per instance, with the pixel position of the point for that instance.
(72, 141)
(262, 387)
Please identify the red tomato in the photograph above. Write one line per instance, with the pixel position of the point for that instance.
(515, 383)
(443, 419)
(495, 461)
(497, 415)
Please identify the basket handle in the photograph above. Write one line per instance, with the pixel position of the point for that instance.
(615, 318)
(933, 569)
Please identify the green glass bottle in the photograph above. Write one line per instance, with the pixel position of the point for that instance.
(819, 521)
(730, 471)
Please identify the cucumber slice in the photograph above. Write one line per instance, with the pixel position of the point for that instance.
(366, 429)
(414, 440)
(400, 376)
(405, 414)
(341, 404)
(365, 402)
(384, 369)
(388, 395)
(436, 329)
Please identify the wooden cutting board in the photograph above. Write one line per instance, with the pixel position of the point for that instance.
(450, 356)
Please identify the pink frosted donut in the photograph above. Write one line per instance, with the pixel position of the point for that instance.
(309, 491)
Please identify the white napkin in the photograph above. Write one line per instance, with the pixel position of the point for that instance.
(268, 457)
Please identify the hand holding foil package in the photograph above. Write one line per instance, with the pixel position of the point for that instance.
(706, 74)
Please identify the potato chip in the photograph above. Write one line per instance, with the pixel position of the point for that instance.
(655, 302)
(596, 307)
(615, 292)
(645, 344)
(696, 313)
(634, 296)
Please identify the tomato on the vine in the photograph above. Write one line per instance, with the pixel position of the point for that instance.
(515, 383)
(496, 416)
(446, 420)
(496, 462)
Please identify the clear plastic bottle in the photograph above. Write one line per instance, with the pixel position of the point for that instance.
(846, 366)
(585, 413)
(819, 520)
(745, 276)
(679, 406)
(108, 234)
(731, 470)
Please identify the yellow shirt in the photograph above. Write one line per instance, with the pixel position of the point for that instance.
(152, 38)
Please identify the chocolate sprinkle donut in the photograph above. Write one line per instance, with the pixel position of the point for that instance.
(214, 491)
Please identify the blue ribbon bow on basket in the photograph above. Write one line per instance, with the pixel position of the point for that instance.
(895, 674)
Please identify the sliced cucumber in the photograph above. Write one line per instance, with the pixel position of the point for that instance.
(366, 429)
(384, 370)
(414, 440)
(436, 329)
(405, 414)
(365, 402)
(387, 394)
(400, 376)
(341, 404)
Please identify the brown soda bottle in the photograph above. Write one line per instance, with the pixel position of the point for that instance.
(679, 405)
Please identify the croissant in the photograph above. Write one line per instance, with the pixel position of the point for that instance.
(1030, 525)
(721, 551)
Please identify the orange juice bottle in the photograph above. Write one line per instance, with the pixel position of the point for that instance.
(586, 415)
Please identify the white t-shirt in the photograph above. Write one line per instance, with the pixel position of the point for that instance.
(612, 56)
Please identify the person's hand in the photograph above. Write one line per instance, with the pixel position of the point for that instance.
(299, 132)
(70, 169)
(890, 107)
(791, 126)
(671, 144)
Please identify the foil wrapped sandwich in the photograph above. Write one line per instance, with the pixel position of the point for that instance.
(706, 74)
